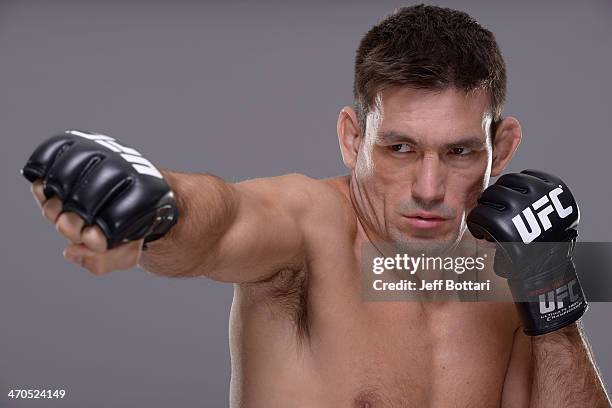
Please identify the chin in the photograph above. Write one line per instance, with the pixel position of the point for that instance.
(424, 245)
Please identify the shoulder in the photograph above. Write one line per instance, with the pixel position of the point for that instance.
(330, 205)
(319, 208)
(322, 209)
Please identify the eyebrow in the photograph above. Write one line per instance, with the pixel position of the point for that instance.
(393, 136)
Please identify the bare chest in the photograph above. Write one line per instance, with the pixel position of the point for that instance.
(316, 339)
(405, 353)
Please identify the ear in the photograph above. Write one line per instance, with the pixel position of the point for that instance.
(349, 136)
(507, 139)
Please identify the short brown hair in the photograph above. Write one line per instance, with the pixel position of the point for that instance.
(428, 47)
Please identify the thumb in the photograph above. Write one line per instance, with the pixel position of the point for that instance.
(124, 256)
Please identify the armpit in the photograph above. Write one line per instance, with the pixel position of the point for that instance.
(286, 295)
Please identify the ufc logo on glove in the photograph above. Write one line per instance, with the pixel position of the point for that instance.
(534, 226)
(132, 156)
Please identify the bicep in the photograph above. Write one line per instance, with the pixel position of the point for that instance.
(267, 232)
(519, 374)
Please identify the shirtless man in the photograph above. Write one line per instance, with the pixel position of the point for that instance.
(423, 138)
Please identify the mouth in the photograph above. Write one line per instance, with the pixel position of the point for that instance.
(425, 220)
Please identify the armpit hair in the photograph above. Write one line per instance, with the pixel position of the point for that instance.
(286, 292)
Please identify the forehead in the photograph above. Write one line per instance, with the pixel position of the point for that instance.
(443, 113)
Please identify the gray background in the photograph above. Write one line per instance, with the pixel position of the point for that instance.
(241, 91)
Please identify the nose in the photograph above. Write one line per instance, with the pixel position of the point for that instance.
(428, 187)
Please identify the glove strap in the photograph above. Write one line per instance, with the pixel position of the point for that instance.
(550, 300)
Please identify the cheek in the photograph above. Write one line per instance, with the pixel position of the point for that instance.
(465, 188)
(393, 179)
(384, 186)
(466, 184)
(473, 193)
(372, 181)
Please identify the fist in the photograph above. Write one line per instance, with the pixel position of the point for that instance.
(532, 216)
(525, 207)
(104, 197)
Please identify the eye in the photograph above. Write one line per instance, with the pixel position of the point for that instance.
(402, 148)
(460, 151)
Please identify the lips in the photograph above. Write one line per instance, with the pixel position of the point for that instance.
(425, 220)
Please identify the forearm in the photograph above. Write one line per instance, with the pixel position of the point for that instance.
(207, 206)
(565, 374)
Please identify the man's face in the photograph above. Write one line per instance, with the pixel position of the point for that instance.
(424, 160)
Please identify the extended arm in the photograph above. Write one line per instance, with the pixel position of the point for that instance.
(232, 232)
(106, 199)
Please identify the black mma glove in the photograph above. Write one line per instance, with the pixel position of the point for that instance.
(532, 216)
(106, 183)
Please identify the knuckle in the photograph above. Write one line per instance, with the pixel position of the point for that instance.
(37, 192)
(62, 225)
(69, 225)
(51, 209)
(94, 238)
